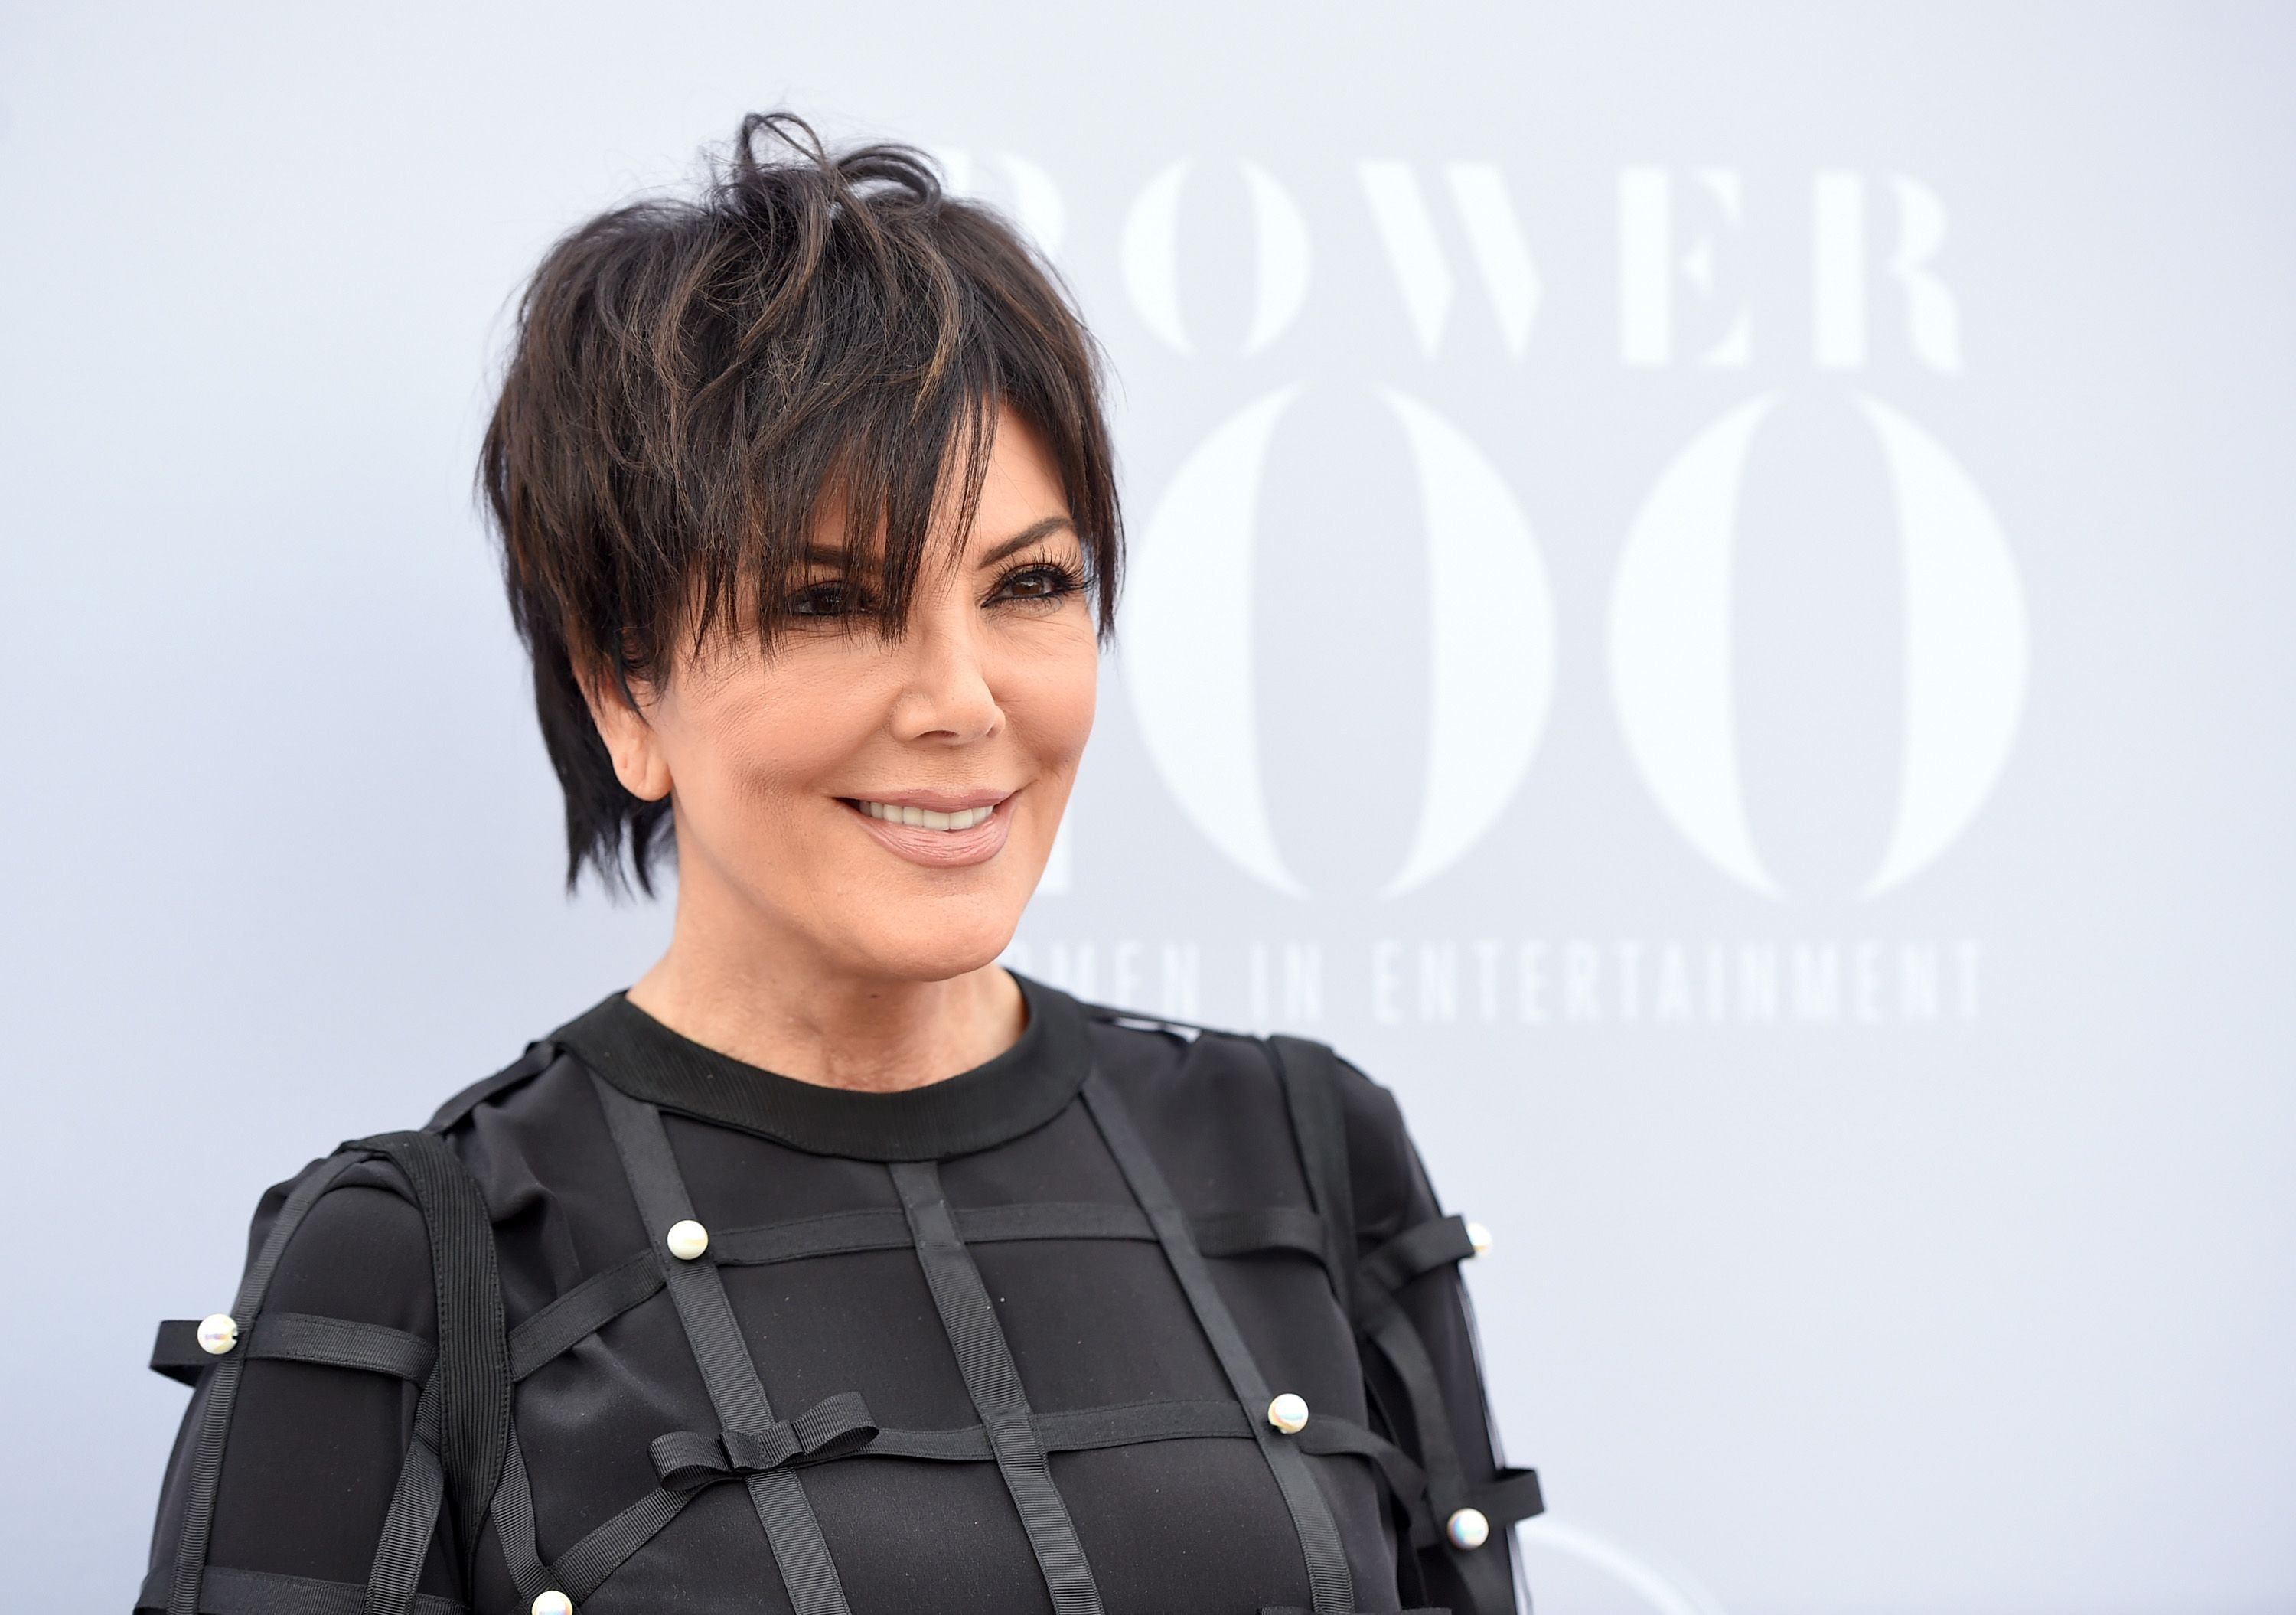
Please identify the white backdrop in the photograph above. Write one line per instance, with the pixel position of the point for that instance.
(1712, 605)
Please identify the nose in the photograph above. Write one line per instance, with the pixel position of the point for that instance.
(945, 692)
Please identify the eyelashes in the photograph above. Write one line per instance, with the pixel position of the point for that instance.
(1038, 582)
(831, 598)
(1032, 583)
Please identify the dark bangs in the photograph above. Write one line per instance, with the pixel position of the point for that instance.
(694, 382)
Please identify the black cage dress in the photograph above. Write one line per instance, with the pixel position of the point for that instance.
(1135, 1318)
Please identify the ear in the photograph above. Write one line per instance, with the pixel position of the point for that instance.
(631, 741)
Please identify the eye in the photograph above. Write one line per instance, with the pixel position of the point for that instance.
(1038, 580)
(832, 597)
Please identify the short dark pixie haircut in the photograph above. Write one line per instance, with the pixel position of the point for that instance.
(694, 381)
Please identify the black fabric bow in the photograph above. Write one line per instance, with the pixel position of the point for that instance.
(834, 1427)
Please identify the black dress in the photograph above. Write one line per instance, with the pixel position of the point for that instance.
(1017, 1341)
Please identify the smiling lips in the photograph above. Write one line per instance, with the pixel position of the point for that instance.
(956, 834)
(925, 818)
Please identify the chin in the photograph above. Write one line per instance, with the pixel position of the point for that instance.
(933, 945)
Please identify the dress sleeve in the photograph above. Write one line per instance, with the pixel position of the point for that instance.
(290, 1458)
(1422, 1366)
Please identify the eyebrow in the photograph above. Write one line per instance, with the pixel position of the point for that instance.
(822, 555)
(1027, 535)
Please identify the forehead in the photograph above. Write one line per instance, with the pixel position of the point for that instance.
(1019, 491)
(1020, 481)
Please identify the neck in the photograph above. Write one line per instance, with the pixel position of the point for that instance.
(750, 988)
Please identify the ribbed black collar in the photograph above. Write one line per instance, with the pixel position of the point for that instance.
(1017, 1091)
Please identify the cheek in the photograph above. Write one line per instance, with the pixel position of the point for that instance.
(758, 748)
(1052, 699)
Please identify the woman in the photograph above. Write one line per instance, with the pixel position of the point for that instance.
(831, 1267)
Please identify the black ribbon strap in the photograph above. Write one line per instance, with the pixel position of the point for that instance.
(582, 1311)
(1259, 1229)
(1390, 1329)
(835, 1427)
(414, 1517)
(583, 1568)
(985, 1358)
(183, 1594)
(1311, 1094)
(1405, 1481)
(727, 1371)
(513, 1516)
(297, 1337)
(1513, 1494)
(1331, 1583)
(1440, 1243)
(473, 1373)
(604, 1296)
(229, 1592)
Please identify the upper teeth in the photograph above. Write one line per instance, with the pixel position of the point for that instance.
(925, 818)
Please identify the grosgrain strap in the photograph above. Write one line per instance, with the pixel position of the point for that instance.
(473, 1368)
(1328, 1576)
(1420, 1249)
(1398, 1340)
(584, 1567)
(302, 1337)
(412, 1519)
(984, 1359)
(229, 1592)
(727, 1369)
(299, 1337)
(1509, 1496)
(605, 1295)
(1311, 1095)
(582, 1311)
(183, 1593)
(513, 1518)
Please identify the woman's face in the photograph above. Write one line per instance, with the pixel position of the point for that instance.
(887, 807)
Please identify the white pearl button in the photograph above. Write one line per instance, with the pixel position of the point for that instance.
(556, 1602)
(687, 1240)
(1289, 1413)
(219, 1333)
(1479, 1237)
(1468, 1529)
